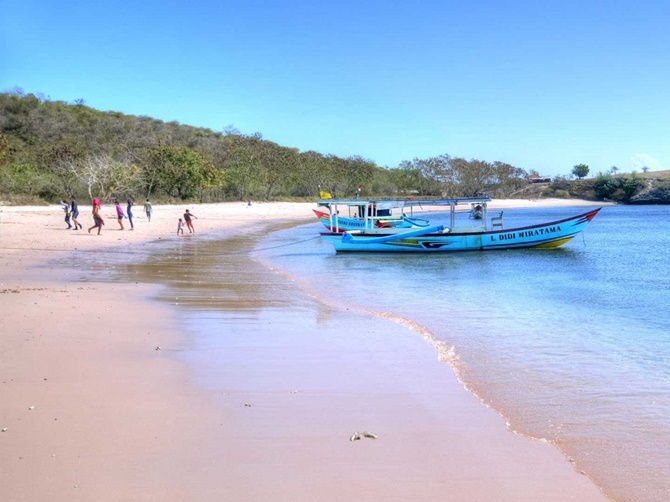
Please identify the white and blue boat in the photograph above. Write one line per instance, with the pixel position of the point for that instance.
(486, 234)
(360, 215)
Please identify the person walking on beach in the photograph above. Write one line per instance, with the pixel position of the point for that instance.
(147, 209)
(129, 212)
(180, 227)
(74, 210)
(66, 208)
(119, 214)
(98, 222)
(187, 218)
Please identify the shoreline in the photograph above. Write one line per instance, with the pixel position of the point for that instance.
(114, 418)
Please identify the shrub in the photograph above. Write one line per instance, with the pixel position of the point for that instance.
(605, 186)
(632, 185)
(561, 184)
(619, 189)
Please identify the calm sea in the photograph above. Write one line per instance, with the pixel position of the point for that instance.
(571, 345)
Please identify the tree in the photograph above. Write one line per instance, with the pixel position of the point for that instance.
(103, 175)
(472, 178)
(580, 170)
(242, 164)
(632, 185)
(275, 166)
(336, 175)
(439, 175)
(25, 179)
(619, 189)
(408, 178)
(359, 173)
(181, 171)
(507, 179)
(312, 172)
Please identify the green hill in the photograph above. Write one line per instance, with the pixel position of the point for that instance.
(52, 149)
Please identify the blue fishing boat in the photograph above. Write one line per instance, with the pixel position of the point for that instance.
(363, 215)
(486, 234)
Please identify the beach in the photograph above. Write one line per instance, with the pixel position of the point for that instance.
(95, 406)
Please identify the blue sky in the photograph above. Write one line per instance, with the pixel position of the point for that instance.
(541, 85)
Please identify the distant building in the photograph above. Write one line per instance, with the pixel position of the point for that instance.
(536, 178)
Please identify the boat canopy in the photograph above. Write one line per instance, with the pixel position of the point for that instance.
(401, 203)
(371, 210)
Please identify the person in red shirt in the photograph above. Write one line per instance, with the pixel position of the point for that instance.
(187, 218)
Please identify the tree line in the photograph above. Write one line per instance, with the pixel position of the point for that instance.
(50, 149)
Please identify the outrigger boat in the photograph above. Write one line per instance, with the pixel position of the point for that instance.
(364, 215)
(486, 234)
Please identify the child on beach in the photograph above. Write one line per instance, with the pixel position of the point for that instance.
(180, 227)
(66, 208)
(187, 218)
(74, 211)
(129, 213)
(147, 209)
(119, 214)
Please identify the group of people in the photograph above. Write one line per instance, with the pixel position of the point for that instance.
(188, 221)
(71, 210)
(120, 215)
(72, 213)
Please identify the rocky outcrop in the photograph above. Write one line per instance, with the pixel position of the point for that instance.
(655, 191)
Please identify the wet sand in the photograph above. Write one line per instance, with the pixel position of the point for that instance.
(94, 412)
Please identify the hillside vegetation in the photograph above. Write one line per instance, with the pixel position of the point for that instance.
(633, 188)
(52, 149)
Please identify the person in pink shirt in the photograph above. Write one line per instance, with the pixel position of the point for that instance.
(119, 214)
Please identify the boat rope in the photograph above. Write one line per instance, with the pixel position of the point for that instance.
(273, 247)
(151, 252)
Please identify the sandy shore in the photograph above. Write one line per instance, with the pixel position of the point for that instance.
(92, 411)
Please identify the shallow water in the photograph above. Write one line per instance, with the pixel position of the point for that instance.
(571, 345)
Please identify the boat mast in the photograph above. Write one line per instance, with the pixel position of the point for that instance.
(334, 220)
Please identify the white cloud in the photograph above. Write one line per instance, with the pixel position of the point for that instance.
(640, 160)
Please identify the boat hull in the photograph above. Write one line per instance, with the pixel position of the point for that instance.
(545, 236)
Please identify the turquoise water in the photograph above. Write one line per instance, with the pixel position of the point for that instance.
(571, 345)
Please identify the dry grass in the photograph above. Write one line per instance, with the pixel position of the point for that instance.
(661, 175)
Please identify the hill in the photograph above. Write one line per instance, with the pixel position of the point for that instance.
(52, 149)
(633, 188)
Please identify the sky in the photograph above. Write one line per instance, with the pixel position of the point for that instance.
(541, 85)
